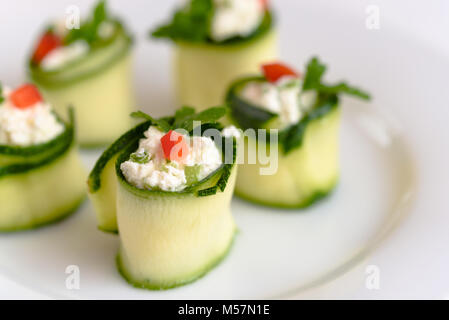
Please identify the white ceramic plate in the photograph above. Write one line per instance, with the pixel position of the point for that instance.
(388, 214)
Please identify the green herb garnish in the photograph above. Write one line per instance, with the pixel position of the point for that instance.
(161, 123)
(191, 23)
(251, 116)
(184, 118)
(182, 113)
(139, 157)
(88, 30)
(211, 115)
(313, 81)
(1, 94)
(293, 136)
(191, 173)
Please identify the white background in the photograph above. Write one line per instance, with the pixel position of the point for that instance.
(427, 21)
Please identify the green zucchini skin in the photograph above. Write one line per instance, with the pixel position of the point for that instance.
(97, 84)
(304, 204)
(308, 153)
(203, 71)
(43, 188)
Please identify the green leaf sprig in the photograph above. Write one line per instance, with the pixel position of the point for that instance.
(184, 118)
(191, 23)
(140, 157)
(1, 94)
(160, 123)
(88, 30)
(313, 81)
(293, 136)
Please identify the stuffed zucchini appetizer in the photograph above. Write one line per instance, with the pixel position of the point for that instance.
(166, 187)
(89, 68)
(216, 42)
(41, 176)
(301, 116)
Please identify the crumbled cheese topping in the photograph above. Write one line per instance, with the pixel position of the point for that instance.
(24, 127)
(63, 55)
(159, 173)
(285, 98)
(235, 18)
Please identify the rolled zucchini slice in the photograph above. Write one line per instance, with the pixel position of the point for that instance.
(303, 176)
(303, 156)
(167, 239)
(95, 84)
(40, 184)
(204, 71)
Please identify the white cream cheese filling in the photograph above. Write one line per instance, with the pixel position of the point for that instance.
(235, 18)
(156, 172)
(285, 98)
(60, 56)
(24, 127)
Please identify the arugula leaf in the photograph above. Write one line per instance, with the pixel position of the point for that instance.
(312, 81)
(88, 30)
(161, 123)
(191, 23)
(139, 157)
(1, 94)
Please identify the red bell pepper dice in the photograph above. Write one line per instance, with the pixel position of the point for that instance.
(25, 96)
(174, 146)
(47, 43)
(274, 71)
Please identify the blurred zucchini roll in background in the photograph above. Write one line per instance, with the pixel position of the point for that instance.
(301, 116)
(88, 67)
(217, 41)
(41, 176)
(166, 186)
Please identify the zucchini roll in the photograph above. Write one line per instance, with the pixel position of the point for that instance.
(90, 69)
(216, 42)
(41, 176)
(166, 186)
(301, 118)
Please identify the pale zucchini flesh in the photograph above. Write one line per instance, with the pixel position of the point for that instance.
(168, 241)
(102, 180)
(203, 71)
(42, 195)
(103, 199)
(304, 175)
